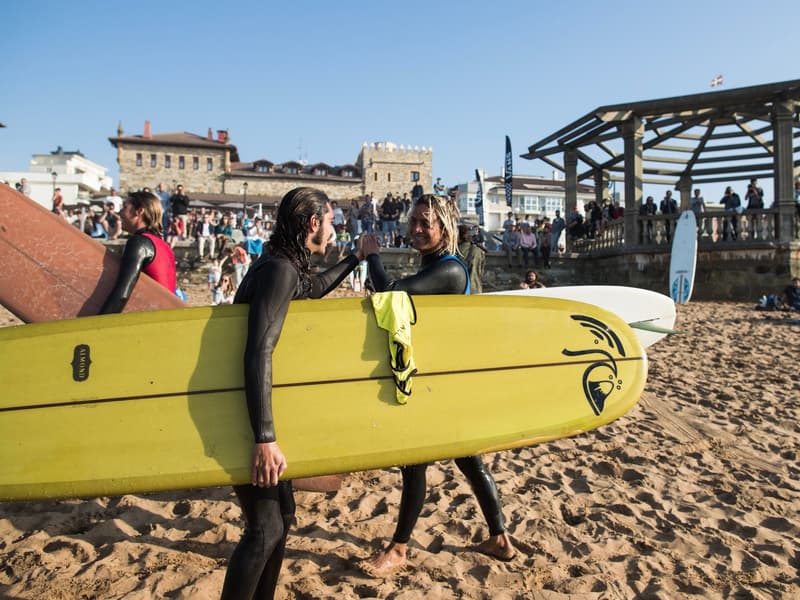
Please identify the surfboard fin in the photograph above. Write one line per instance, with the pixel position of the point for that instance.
(649, 326)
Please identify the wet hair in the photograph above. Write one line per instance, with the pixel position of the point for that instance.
(151, 213)
(293, 224)
(447, 212)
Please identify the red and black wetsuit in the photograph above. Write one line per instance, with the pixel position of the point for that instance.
(146, 252)
(270, 284)
(439, 273)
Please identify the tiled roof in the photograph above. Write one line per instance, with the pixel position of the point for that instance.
(524, 183)
(182, 138)
(245, 169)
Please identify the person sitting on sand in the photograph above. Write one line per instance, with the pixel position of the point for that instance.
(791, 294)
(145, 251)
(223, 291)
(531, 281)
(433, 228)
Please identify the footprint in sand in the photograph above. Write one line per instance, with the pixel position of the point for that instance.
(70, 550)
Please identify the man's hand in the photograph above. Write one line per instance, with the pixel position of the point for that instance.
(367, 244)
(268, 465)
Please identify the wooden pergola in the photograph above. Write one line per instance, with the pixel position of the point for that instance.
(683, 142)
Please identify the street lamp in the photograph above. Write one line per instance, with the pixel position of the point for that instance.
(244, 202)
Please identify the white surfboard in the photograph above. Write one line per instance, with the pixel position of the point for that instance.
(684, 258)
(651, 314)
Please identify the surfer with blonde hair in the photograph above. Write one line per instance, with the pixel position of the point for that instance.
(304, 226)
(433, 229)
(145, 251)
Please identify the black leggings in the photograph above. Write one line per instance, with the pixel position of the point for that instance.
(256, 563)
(414, 488)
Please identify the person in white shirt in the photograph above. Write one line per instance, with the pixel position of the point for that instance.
(205, 234)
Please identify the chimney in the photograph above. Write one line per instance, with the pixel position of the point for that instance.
(210, 134)
(147, 135)
(221, 136)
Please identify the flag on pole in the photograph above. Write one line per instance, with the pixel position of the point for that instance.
(717, 81)
(479, 198)
(508, 177)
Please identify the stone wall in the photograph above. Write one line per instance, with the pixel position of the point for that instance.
(133, 177)
(731, 275)
(277, 186)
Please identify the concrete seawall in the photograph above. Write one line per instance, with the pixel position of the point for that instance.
(731, 273)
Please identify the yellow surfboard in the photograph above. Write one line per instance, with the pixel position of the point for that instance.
(154, 401)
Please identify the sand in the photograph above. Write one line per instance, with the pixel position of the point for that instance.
(694, 493)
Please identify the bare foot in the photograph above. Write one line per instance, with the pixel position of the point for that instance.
(498, 546)
(387, 561)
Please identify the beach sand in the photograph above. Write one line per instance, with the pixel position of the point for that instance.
(694, 493)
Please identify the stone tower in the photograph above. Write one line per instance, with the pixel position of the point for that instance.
(389, 168)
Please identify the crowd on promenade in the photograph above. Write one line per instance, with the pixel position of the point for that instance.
(595, 217)
(530, 241)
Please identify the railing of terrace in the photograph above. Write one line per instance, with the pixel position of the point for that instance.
(714, 228)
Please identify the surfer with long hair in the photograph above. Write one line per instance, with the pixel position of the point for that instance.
(145, 251)
(433, 228)
(304, 226)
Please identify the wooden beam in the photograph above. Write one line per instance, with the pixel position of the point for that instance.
(607, 150)
(664, 159)
(714, 159)
(733, 177)
(699, 149)
(726, 147)
(591, 137)
(593, 128)
(672, 148)
(577, 123)
(757, 138)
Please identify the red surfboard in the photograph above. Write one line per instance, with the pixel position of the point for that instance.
(51, 271)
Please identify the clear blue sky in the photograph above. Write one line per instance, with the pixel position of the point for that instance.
(327, 76)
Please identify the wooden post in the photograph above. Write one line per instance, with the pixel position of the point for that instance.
(685, 190)
(632, 133)
(782, 113)
(570, 187)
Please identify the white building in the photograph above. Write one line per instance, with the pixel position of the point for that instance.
(79, 178)
(531, 196)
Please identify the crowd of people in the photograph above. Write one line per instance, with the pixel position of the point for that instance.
(531, 242)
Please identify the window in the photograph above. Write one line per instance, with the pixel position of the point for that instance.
(529, 204)
(167, 161)
(181, 163)
(320, 172)
(414, 175)
(153, 161)
(263, 169)
(291, 170)
(195, 163)
(347, 173)
(388, 177)
(138, 159)
(375, 177)
(209, 164)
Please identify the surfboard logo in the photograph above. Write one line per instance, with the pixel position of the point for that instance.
(81, 359)
(600, 379)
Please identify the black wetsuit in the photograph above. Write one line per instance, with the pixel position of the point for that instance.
(270, 284)
(139, 254)
(437, 275)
